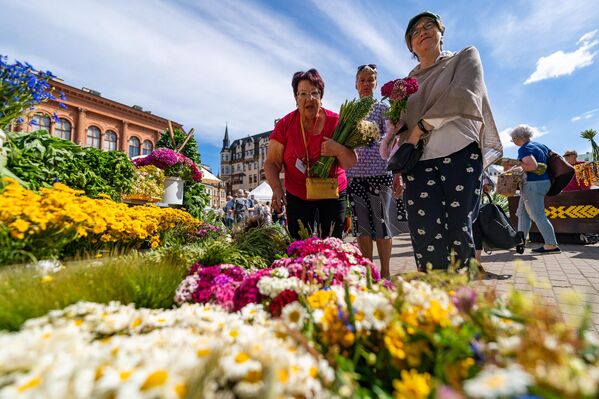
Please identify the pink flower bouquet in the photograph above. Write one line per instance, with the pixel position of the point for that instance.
(172, 162)
(397, 92)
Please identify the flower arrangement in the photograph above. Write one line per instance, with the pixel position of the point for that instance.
(172, 162)
(148, 186)
(91, 350)
(44, 223)
(397, 92)
(351, 131)
(313, 263)
(21, 87)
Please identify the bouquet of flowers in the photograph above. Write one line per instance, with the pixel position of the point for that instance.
(172, 162)
(148, 186)
(22, 87)
(352, 131)
(397, 92)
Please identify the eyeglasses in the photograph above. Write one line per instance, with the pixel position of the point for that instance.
(304, 95)
(425, 26)
(371, 66)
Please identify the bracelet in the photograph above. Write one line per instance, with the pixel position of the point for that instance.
(421, 127)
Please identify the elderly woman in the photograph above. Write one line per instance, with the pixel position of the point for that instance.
(376, 215)
(297, 141)
(536, 185)
(451, 113)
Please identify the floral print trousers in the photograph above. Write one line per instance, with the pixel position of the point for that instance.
(442, 198)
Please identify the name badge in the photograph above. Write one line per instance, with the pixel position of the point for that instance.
(299, 165)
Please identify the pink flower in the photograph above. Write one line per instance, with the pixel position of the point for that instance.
(387, 89)
(397, 92)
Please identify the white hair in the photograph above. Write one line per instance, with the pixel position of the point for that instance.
(523, 132)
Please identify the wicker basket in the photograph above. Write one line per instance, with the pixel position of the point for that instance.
(508, 183)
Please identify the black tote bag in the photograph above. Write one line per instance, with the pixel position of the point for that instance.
(497, 231)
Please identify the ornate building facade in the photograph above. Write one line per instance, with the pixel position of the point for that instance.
(242, 161)
(91, 120)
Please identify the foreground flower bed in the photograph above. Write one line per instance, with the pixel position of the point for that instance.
(318, 323)
(97, 351)
(45, 223)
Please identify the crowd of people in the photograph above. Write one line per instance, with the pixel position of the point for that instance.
(438, 200)
(245, 205)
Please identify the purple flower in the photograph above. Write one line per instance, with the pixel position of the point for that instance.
(464, 299)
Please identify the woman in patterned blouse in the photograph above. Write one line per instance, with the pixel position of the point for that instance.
(376, 215)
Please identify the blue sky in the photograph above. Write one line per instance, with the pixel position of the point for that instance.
(208, 63)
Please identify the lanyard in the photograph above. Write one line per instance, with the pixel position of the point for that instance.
(309, 138)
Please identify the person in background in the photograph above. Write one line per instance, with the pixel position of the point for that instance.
(575, 185)
(451, 109)
(531, 207)
(376, 215)
(287, 150)
(228, 209)
(240, 207)
(267, 212)
(250, 202)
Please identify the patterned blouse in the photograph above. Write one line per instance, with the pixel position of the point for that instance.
(370, 162)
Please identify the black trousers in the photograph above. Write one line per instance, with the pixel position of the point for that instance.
(442, 198)
(325, 216)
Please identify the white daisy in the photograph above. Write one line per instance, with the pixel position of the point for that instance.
(293, 315)
(495, 382)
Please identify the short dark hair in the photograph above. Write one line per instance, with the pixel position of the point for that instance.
(425, 14)
(310, 75)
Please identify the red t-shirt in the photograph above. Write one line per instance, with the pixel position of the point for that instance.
(575, 185)
(288, 132)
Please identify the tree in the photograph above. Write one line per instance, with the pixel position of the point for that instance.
(590, 135)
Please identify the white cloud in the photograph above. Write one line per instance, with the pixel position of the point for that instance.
(200, 64)
(506, 139)
(561, 63)
(585, 115)
(372, 29)
(530, 28)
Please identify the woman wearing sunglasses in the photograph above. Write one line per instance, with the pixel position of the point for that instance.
(451, 110)
(376, 215)
(297, 141)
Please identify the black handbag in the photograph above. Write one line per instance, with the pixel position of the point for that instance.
(497, 231)
(406, 157)
(560, 172)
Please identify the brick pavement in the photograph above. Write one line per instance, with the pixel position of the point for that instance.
(577, 267)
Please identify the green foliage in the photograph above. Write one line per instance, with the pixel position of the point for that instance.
(590, 135)
(139, 279)
(191, 148)
(195, 199)
(219, 251)
(268, 241)
(39, 160)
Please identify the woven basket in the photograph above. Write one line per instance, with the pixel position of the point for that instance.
(508, 183)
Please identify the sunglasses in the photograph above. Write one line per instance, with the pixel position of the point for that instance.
(371, 66)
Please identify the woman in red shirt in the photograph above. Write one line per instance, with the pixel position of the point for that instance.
(287, 151)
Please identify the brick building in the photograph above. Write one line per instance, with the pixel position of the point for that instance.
(91, 120)
(242, 161)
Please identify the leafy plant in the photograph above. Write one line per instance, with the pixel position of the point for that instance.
(195, 199)
(39, 160)
(269, 241)
(26, 293)
(590, 135)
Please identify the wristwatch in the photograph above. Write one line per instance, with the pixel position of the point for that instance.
(421, 127)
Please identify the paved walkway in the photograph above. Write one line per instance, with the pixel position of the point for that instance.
(577, 267)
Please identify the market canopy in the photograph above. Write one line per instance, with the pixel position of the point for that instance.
(209, 178)
(263, 192)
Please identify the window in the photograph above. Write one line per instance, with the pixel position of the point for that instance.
(133, 147)
(109, 141)
(93, 137)
(147, 148)
(63, 129)
(40, 122)
(227, 169)
(238, 167)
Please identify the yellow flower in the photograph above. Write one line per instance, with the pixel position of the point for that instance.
(412, 385)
